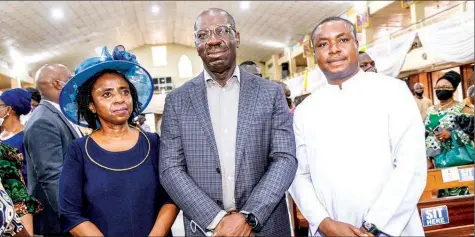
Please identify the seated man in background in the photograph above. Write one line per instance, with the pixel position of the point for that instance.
(366, 62)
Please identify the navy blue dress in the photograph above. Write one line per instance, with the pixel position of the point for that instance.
(17, 142)
(119, 203)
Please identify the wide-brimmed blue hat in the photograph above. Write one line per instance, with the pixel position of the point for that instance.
(121, 61)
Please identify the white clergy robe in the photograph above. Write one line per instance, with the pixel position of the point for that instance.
(361, 155)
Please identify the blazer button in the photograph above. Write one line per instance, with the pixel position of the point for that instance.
(218, 170)
(219, 202)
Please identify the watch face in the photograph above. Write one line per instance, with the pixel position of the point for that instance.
(251, 220)
(367, 225)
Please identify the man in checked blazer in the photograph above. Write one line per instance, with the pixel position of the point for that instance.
(227, 152)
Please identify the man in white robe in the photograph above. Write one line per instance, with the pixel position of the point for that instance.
(360, 146)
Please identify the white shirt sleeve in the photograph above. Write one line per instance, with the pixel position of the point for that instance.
(302, 190)
(216, 220)
(398, 200)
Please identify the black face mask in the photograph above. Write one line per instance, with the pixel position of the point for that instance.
(419, 93)
(444, 94)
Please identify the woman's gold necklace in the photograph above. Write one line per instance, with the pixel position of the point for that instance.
(443, 106)
(118, 170)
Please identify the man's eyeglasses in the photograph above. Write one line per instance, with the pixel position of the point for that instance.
(219, 31)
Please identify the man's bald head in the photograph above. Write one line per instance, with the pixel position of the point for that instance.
(418, 85)
(213, 12)
(50, 80)
(419, 89)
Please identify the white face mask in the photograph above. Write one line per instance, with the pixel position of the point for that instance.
(25, 118)
(3, 118)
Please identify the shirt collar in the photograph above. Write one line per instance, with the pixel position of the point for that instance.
(350, 82)
(55, 105)
(236, 73)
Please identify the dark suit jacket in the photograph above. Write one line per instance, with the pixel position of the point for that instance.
(47, 137)
(265, 155)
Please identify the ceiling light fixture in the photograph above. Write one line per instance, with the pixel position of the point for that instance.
(9, 42)
(37, 57)
(57, 13)
(274, 44)
(18, 63)
(155, 9)
(15, 56)
(245, 5)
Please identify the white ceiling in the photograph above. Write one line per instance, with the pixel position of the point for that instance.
(30, 28)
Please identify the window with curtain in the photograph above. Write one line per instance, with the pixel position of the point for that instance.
(185, 69)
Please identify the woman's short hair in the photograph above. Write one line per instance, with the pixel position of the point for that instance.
(84, 97)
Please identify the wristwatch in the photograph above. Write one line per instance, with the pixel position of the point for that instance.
(251, 220)
(371, 228)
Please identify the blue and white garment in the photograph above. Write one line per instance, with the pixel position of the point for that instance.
(10, 223)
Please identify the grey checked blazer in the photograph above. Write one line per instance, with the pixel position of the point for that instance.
(265, 155)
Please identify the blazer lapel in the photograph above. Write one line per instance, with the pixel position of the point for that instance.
(247, 100)
(60, 114)
(199, 101)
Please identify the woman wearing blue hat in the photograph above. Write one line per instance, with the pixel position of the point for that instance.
(13, 104)
(110, 183)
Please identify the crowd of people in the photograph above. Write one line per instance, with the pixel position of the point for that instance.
(231, 145)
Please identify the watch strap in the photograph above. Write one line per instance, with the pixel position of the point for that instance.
(251, 219)
(371, 228)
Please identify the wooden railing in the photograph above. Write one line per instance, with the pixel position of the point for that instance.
(440, 16)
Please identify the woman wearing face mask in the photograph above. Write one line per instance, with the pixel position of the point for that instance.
(442, 128)
(110, 183)
(13, 104)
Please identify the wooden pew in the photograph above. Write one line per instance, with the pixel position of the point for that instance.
(460, 209)
(436, 182)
